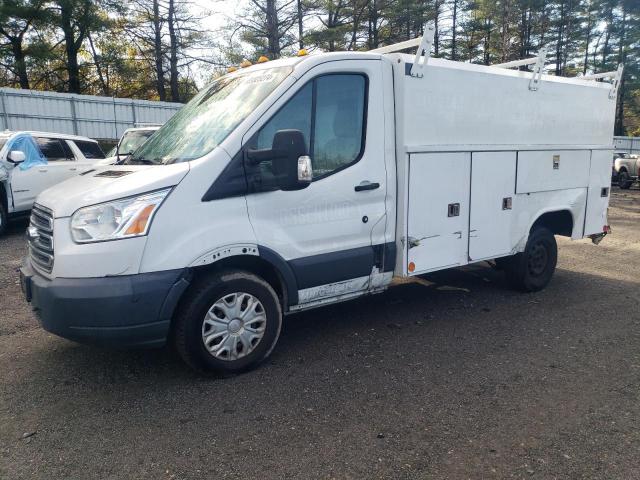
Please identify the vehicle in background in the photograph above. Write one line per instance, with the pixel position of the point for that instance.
(58, 156)
(131, 140)
(308, 181)
(626, 169)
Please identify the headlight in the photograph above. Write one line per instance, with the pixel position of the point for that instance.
(129, 217)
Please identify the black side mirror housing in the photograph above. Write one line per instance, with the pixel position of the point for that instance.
(289, 159)
(285, 167)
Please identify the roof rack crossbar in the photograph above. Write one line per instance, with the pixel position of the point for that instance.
(397, 47)
(597, 76)
(538, 66)
(517, 63)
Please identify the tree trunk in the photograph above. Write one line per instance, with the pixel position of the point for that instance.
(453, 30)
(273, 39)
(607, 37)
(436, 33)
(559, 40)
(20, 64)
(373, 40)
(73, 69)
(622, 56)
(157, 51)
(96, 61)
(487, 42)
(173, 53)
(300, 26)
(504, 34)
(585, 65)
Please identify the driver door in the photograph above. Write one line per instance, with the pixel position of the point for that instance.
(330, 233)
(26, 185)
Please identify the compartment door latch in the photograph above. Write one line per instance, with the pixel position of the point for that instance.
(453, 210)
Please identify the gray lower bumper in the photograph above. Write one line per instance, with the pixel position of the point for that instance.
(124, 311)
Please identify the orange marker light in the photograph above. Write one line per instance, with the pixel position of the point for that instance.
(302, 52)
(231, 69)
(140, 223)
(412, 266)
(245, 64)
(263, 59)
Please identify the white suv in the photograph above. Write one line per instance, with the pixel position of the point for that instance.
(62, 157)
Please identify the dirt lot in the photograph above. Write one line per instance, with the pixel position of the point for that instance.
(424, 381)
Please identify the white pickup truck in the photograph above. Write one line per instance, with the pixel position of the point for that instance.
(60, 157)
(312, 180)
(626, 169)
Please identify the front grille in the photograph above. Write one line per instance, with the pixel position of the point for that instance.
(40, 235)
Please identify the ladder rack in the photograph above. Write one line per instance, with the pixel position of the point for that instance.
(614, 75)
(423, 54)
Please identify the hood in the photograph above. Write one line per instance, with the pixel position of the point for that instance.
(104, 184)
(107, 161)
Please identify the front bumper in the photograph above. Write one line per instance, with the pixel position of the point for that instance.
(122, 311)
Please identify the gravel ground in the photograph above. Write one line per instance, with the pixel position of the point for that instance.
(456, 377)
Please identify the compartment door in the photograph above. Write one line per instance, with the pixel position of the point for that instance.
(438, 216)
(544, 171)
(493, 183)
(599, 191)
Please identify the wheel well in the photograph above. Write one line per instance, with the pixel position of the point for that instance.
(622, 169)
(4, 200)
(254, 264)
(560, 222)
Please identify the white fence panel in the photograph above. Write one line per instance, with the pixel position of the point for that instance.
(102, 118)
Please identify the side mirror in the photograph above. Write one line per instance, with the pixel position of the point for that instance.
(16, 157)
(292, 167)
(289, 160)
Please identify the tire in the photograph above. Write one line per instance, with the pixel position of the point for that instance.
(624, 181)
(4, 218)
(219, 321)
(531, 270)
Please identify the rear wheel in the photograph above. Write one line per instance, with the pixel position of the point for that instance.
(624, 180)
(531, 270)
(3, 218)
(229, 322)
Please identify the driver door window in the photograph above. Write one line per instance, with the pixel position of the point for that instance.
(330, 112)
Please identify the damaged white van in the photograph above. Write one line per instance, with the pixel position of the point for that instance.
(311, 180)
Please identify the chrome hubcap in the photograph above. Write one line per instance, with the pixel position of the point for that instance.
(234, 326)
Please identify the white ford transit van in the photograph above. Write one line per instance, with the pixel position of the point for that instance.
(311, 180)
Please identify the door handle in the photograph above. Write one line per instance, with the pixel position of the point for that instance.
(366, 185)
(43, 170)
(73, 169)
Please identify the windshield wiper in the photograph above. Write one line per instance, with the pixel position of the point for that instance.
(141, 161)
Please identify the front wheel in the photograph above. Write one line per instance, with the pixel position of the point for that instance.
(624, 180)
(229, 322)
(531, 270)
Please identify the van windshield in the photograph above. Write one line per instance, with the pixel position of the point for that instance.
(206, 120)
